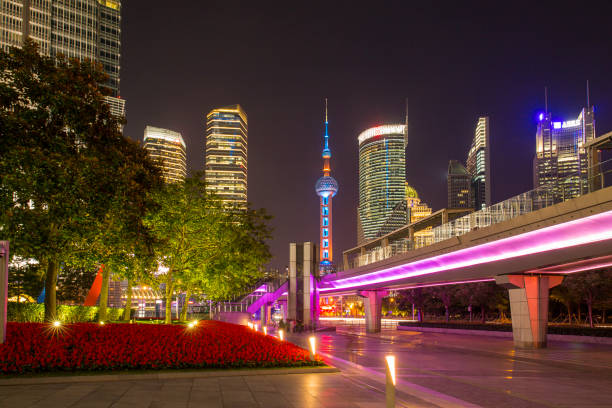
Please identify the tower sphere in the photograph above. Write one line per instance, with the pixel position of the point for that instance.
(326, 186)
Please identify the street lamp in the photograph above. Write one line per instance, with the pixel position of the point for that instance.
(390, 383)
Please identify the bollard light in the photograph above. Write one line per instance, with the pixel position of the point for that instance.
(250, 325)
(281, 335)
(102, 323)
(57, 323)
(192, 324)
(265, 329)
(390, 383)
(256, 327)
(312, 341)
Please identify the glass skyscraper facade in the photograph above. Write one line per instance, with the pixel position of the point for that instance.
(168, 150)
(560, 152)
(459, 184)
(478, 165)
(226, 154)
(382, 177)
(82, 29)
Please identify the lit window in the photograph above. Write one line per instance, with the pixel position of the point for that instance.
(325, 232)
(325, 210)
(325, 243)
(324, 199)
(325, 221)
(325, 254)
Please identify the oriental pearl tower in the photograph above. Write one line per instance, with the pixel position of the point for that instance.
(326, 189)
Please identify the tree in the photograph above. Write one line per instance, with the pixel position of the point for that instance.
(61, 150)
(417, 297)
(446, 294)
(204, 246)
(591, 287)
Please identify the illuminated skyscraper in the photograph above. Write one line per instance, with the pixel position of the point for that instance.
(459, 183)
(326, 188)
(382, 175)
(478, 165)
(560, 153)
(84, 29)
(168, 150)
(226, 154)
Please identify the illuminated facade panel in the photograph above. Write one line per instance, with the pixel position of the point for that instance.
(226, 154)
(84, 29)
(382, 175)
(560, 154)
(478, 165)
(168, 150)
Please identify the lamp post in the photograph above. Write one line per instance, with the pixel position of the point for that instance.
(312, 341)
(390, 383)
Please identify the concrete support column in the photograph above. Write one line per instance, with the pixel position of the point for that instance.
(411, 237)
(303, 296)
(529, 307)
(373, 309)
(263, 318)
(311, 295)
(295, 259)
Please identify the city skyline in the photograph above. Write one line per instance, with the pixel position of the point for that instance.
(279, 62)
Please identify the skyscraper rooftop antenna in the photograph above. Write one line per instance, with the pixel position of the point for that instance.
(326, 151)
(406, 127)
(546, 100)
(588, 91)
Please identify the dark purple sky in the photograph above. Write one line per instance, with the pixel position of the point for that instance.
(453, 60)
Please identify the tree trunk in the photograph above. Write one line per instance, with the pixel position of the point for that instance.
(483, 314)
(168, 319)
(185, 306)
(127, 312)
(569, 312)
(50, 284)
(102, 312)
(603, 316)
(590, 309)
(446, 313)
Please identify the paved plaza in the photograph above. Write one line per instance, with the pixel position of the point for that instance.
(434, 370)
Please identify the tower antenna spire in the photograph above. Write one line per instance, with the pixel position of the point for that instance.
(546, 100)
(406, 126)
(588, 91)
(326, 147)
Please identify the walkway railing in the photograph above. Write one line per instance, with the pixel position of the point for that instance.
(583, 182)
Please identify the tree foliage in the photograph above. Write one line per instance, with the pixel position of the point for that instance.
(61, 161)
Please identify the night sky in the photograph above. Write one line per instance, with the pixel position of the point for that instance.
(453, 60)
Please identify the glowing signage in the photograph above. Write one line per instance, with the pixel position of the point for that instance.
(380, 131)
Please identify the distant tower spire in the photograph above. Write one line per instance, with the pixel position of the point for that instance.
(326, 188)
(588, 91)
(546, 100)
(406, 128)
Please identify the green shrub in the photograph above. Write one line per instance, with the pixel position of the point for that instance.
(33, 312)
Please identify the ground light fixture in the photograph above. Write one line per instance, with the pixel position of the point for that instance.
(312, 342)
(281, 335)
(57, 323)
(102, 323)
(250, 325)
(256, 327)
(265, 329)
(390, 383)
(192, 324)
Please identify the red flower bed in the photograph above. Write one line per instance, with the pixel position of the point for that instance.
(37, 347)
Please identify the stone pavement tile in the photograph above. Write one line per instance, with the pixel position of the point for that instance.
(67, 396)
(25, 395)
(264, 384)
(140, 394)
(103, 396)
(270, 399)
(199, 398)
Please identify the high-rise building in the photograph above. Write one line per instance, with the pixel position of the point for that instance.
(326, 188)
(417, 210)
(560, 154)
(459, 184)
(83, 29)
(226, 154)
(478, 165)
(382, 175)
(168, 150)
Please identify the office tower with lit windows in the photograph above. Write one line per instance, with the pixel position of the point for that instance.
(478, 165)
(226, 154)
(82, 29)
(382, 177)
(169, 152)
(560, 153)
(326, 188)
(459, 184)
